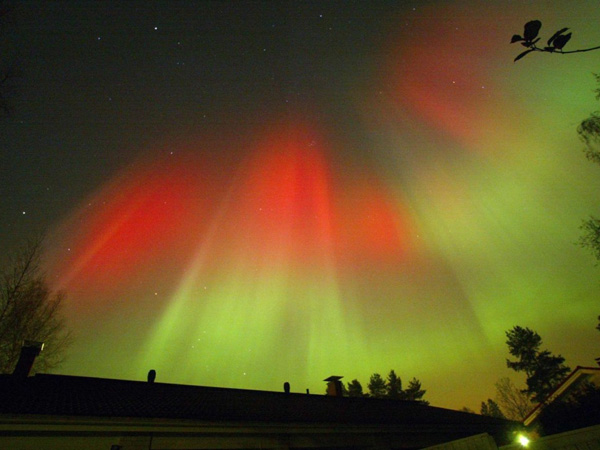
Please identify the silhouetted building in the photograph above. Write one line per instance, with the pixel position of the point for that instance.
(572, 384)
(57, 411)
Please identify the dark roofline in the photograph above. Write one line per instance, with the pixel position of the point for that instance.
(67, 395)
(45, 398)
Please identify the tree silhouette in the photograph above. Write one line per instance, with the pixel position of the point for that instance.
(29, 310)
(391, 387)
(588, 129)
(355, 389)
(394, 386)
(414, 392)
(514, 403)
(544, 371)
(377, 387)
(555, 44)
(491, 409)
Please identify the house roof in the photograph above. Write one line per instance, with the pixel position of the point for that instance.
(59, 395)
(572, 381)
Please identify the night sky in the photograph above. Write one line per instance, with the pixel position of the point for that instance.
(244, 193)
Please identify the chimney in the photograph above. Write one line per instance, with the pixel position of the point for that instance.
(334, 386)
(29, 351)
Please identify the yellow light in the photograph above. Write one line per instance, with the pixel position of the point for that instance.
(523, 440)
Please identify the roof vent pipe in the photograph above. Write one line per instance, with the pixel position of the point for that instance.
(29, 351)
(151, 376)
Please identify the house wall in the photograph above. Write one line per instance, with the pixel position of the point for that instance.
(56, 442)
(478, 442)
(30, 433)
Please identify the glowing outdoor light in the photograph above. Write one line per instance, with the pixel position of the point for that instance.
(523, 440)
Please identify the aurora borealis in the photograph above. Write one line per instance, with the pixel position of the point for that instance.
(239, 194)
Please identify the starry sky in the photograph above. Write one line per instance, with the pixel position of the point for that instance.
(244, 193)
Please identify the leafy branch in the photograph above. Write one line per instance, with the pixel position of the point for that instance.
(554, 45)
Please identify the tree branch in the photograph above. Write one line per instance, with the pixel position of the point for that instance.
(562, 52)
(555, 44)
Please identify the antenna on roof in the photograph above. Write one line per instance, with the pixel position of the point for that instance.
(151, 376)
